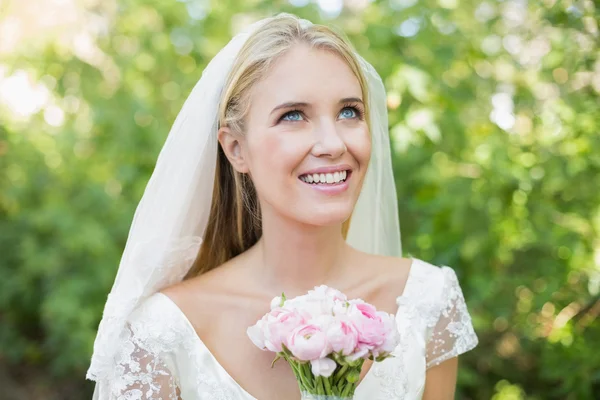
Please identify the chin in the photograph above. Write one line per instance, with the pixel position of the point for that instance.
(327, 217)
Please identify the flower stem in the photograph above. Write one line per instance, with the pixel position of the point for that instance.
(306, 377)
(297, 368)
(339, 374)
(347, 389)
(340, 385)
(327, 386)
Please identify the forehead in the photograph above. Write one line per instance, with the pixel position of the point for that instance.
(306, 74)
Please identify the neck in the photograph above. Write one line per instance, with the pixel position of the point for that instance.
(294, 257)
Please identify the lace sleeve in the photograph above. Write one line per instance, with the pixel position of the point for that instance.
(145, 364)
(140, 374)
(453, 332)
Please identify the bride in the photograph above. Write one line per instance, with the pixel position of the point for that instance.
(276, 177)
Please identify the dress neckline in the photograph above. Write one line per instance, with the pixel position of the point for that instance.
(409, 279)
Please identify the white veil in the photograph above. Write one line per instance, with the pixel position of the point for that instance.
(171, 217)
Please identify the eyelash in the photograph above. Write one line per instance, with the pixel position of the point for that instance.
(360, 113)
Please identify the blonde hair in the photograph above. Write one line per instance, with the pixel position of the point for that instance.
(234, 223)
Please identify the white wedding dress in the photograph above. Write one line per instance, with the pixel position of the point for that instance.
(162, 357)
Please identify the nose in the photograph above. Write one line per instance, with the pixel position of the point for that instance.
(328, 143)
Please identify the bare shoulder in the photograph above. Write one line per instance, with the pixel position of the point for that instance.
(206, 285)
(382, 279)
(384, 267)
(208, 295)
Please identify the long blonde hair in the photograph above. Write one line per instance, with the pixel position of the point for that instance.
(234, 223)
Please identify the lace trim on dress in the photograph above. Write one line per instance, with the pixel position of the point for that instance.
(141, 374)
(141, 370)
(151, 353)
(453, 332)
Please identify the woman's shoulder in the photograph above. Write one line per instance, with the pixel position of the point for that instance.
(422, 280)
(155, 326)
(430, 276)
(186, 295)
(154, 307)
(208, 284)
(410, 269)
(435, 291)
(220, 292)
(210, 287)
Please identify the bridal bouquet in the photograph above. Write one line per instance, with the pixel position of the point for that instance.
(326, 339)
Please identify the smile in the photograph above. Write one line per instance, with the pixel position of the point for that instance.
(325, 178)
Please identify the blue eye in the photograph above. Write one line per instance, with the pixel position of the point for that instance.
(348, 112)
(292, 116)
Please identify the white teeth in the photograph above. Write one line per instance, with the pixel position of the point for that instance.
(329, 178)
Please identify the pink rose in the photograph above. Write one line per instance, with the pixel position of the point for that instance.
(278, 326)
(256, 333)
(362, 350)
(342, 337)
(308, 343)
(368, 323)
(392, 336)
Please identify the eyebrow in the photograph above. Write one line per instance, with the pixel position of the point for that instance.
(296, 104)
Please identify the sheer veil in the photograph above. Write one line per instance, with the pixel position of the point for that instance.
(171, 217)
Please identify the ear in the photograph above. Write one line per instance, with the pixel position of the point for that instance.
(233, 147)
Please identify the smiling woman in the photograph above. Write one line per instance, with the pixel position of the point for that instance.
(312, 128)
(275, 178)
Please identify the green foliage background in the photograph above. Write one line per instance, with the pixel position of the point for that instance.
(512, 205)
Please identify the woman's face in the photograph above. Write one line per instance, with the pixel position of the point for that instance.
(306, 144)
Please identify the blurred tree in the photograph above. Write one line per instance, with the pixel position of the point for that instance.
(494, 120)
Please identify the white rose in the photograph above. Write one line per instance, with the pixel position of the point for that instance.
(276, 302)
(257, 335)
(323, 367)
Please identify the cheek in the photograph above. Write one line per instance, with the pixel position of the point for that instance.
(359, 145)
(276, 154)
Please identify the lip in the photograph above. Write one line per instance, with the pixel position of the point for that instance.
(328, 170)
(331, 189)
